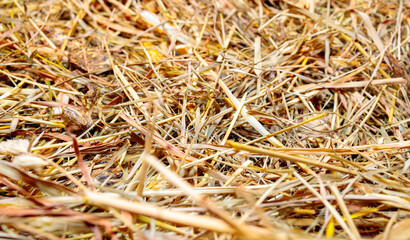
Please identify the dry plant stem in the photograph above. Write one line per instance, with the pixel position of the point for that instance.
(288, 128)
(80, 15)
(33, 120)
(180, 183)
(21, 190)
(166, 145)
(329, 206)
(251, 119)
(372, 148)
(81, 163)
(93, 138)
(36, 27)
(127, 221)
(41, 85)
(238, 112)
(345, 211)
(237, 173)
(132, 94)
(37, 231)
(204, 222)
(200, 122)
(141, 178)
(287, 157)
(65, 173)
(231, 189)
(389, 225)
(147, 150)
(377, 82)
(265, 195)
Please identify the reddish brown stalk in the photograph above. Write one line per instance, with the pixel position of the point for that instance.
(81, 163)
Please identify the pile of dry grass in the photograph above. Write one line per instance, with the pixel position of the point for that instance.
(204, 119)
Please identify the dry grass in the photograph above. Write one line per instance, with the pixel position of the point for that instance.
(223, 119)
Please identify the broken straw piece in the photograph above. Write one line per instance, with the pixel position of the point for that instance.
(19, 148)
(14, 147)
(29, 161)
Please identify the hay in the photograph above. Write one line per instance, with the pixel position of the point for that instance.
(204, 119)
